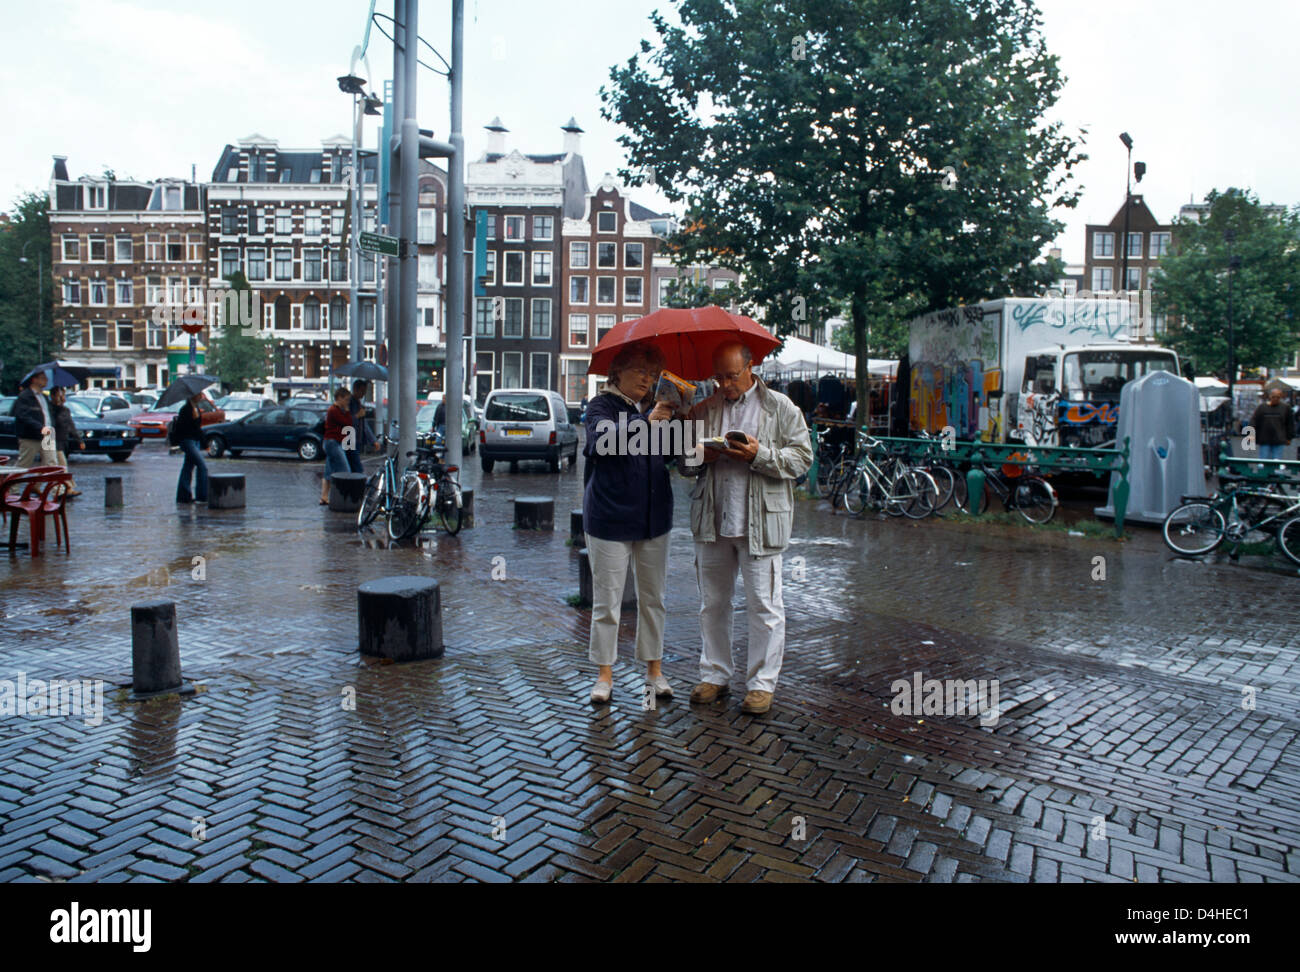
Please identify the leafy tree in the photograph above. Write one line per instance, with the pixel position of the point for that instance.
(886, 152)
(238, 358)
(1192, 285)
(27, 334)
(688, 292)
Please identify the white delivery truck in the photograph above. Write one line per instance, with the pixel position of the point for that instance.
(1043, 371)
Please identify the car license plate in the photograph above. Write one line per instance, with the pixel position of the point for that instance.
(110, 442)
(518, 432)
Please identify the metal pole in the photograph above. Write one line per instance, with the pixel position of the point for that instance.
(1128, 195)
(454, 386)
(354, 251)
(1232, 344)
(410, 150)
(381, 308)
(393, 298)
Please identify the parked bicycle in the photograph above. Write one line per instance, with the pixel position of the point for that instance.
(381, 488)
(1235, 513)
(891, 484)
(428, 486)
(1029, 494)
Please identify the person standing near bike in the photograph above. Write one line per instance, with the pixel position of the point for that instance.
(337, 421)
(1274, 425)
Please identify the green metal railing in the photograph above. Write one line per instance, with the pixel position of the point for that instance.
(1279, 472)
(1055, 459)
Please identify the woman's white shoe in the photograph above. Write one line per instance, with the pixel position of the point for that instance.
(601, 692)
(662, 689)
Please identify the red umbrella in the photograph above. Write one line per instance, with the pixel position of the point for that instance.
(687, 336)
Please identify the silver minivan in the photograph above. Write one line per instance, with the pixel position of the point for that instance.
(526, 423)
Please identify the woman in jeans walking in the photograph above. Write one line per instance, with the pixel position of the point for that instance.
(187, 430)
(627, 512)
(337, 420)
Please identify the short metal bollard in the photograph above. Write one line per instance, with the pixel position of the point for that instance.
(346, 490)
(400, 618)
(112, 491)
(534, 513)
(576, 536)
(155, 652)
(226, 491)
(466, 508)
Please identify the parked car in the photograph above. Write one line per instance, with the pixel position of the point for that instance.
(111, 406)
(146, 399)
(157, 423)
(468, 425)
(238, 404)
(282, 428)
(526, 423)
(112, 439)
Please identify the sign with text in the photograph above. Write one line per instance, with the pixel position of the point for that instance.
(378, 243)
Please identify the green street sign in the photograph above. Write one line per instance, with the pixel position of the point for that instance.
(378, 243)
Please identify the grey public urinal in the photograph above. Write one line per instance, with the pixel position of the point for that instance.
(1160, 414)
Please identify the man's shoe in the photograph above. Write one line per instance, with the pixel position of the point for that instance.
(707, 692)
(756, 703)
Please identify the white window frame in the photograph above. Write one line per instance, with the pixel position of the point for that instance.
(321, 269)
(586, 286)
(154, 247)
(532, 318)
(522, 222)
(1098, 237)
(506, 356)
(640, 250)
(606, 244)
(117, 335)
(73, 335)
(532, 358)
(1097, 286)
(179, 243)
(72, 293)
(153, 335)
(1140, 242)
(95, 195)
(91, 240)
(481, 303)
(490, 270)
(548, 258)
(99, 328)
(611, 318)
(118, 240)
(69, 240)
(100, 284)
(283, 222)
(607, 303)
(123, 292)
(586, 330)
(427, 280)
(550, 235)
(1138, 286)
(505, 270)
(261, 250)
(427, 232)
(505, 319)
(193, 248)
(640, 298)
(155, 291)
(586, 255)
(275, 263)
(313, 217)
(599, 220)
(1159, 245)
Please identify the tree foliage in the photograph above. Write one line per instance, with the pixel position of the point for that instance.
(238, 358)
(27, 334)
(886, 152)
(1192, 285)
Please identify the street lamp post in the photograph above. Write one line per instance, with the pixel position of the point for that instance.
(1122, 283)
(40, 280)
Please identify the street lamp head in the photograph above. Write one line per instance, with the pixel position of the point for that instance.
(1234, 262)
(23, 260)
(353, 85)
(1139, 170)
(1128, 142)
(374, 104)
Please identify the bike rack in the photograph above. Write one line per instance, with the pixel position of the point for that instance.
(1259, 472)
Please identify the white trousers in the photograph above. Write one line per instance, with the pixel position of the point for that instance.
(609, 560)
(717, 564)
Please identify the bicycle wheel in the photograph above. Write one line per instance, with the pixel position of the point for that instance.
(371, 500)
(1194, 529)
(840, 476)
(856, 491)
(409, 510)
(1288, 538)
(1034, 499)
(449, 511)
(958, 487)
(946, 483)
(915, 493)
(826, 468)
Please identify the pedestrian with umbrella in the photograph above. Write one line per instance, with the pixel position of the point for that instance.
(65, 434)
(34, 421)
(186, 433)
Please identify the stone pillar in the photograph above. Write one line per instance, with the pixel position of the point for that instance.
(112, 491)
(534, 513)
(346, 490)
(400, 618)
(155, 651)
(226, 491)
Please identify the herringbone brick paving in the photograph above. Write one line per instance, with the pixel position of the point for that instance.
(1123, 751)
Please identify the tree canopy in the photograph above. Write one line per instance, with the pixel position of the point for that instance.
(27, 334)
(237, 357)
(890, 153)
(1191, 287)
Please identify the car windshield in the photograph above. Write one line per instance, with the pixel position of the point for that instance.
(84, 400)
(1103, 374)
(80, 410)
(518, 408)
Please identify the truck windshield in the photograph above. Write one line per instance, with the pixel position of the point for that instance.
(1100, 375)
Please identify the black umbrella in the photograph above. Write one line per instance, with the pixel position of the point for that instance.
(61, 376)
(363, 369)
(184, 388)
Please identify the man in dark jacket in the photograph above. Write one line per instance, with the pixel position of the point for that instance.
(187, 432)
(35, 424)
(1274, 426)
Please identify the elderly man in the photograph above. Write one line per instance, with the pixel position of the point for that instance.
(35, 424)
(742, 509)
(1274, 426)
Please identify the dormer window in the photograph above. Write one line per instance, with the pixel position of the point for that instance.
(256, 167)
(286, 175)
(96, 197)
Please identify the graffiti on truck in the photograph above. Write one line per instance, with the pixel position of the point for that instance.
(955, 351)
(1091, 318)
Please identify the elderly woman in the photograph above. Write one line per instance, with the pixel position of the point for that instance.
(627, 512)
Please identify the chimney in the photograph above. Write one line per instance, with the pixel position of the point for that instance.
(61, 168)
(497, 138)
(572, 137)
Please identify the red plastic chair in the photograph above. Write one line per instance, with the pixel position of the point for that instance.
(32, 503)
(54, 505)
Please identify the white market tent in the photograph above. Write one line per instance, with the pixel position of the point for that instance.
(802, 357)
(1206, 383)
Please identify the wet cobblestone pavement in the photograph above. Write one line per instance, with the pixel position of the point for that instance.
(1124, 750)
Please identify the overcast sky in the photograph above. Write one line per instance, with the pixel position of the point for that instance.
(1207, 89)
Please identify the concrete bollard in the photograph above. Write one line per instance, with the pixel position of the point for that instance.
(155, 652)
(226, 491)
(112, 491)
(346, 490)
(585, 584)
(400, 618)
(466, 508)
(534, 513)
(575, 529)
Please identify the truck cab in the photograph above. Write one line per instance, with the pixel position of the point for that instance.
(1069, 396)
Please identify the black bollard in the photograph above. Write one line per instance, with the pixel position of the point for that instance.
(155, 652)
(346, 490)
(466, 508)
(112, 491)
(534, 513)
(575, 528)
(226, 491)
(400, 618)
